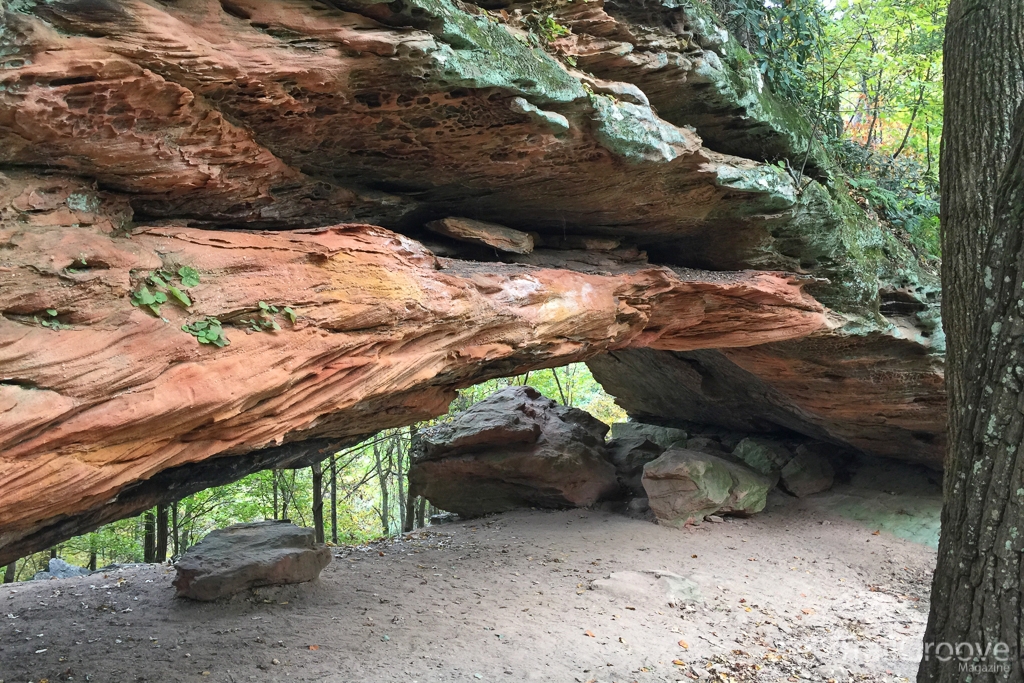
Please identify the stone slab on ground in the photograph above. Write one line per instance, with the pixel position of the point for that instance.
(249, 555)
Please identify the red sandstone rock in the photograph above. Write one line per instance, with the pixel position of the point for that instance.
(385, 333)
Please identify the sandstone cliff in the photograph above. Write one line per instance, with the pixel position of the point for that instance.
(291, 153)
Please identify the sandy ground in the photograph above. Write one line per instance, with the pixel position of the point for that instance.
(804, 590)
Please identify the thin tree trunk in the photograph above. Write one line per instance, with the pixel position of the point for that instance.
(274, 480)
(400, 476)
(318, 501)
(161, 534)
(913, 114)
(148, 536)
(383, 481)
(421, 511)
(175, 532)
(977, 589)
(409, 521)
(53, 553)
(558, 384)
(334, 498)
(928, 146)
(10, 572)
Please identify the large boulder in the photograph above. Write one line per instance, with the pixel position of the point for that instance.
(513, 449)
(629, 455)
(244, 556)
(808, 472)
(684, 486)
(666, 437)
(59, 569)
(766, 456)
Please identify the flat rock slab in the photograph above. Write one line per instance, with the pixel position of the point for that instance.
(479, 232)
(250, 555)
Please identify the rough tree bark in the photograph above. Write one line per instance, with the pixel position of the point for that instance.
(975, 618)
(983, 82)
(9, 573)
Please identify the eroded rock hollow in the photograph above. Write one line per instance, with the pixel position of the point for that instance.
(610, 195)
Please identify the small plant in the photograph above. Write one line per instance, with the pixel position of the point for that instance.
(550, 30)
(265, 320)
(162, 282)
(50, 321)
(207, 331)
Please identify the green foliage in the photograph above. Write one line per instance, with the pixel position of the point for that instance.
(50, 320)
(189, 276)
(900, 191)
(207, 331)
(263, 320)
(867, 73)
(162, 282)
(784, 38)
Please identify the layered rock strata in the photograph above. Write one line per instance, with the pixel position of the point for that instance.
(140, 137)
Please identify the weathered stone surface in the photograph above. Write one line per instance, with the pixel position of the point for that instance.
(705, 444)
(479, 232)
(251, 555)
(807, 472)
(876, 394)
(284, 114)
(685, 486)
(629, 454)
(515, 448)
(59, 569)
(766, 456)
(666, 437)
(384, 335)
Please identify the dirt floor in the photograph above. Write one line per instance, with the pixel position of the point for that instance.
(806, 590)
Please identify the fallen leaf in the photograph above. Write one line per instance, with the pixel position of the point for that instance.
(807, 610)
(876, 532)
(694, 556)
(683, 644)
(631, 608)
(678, 662)
(314, 647)
(381, 553)
(589, 633)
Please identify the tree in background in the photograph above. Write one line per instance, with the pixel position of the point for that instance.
(979, 579)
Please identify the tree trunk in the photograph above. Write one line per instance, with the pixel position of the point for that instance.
(421, 513)
(383, 481)
(53, 553)
(334, 498)
(161, 534)
(273, 474)
(400, 476)
(10, 572)
(318, 501)
(983, 84)
(149, 536)
(175, 533)
(976, 594)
